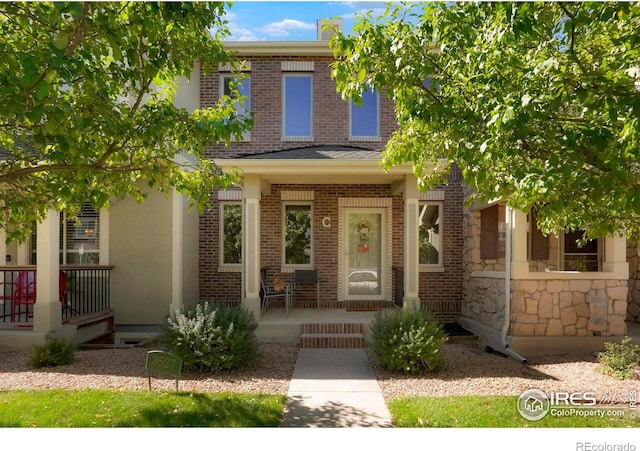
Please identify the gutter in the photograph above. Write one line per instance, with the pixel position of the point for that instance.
(507, 290)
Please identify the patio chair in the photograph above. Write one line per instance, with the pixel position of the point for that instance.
(24, 294)
(306, 281)
(268, 292)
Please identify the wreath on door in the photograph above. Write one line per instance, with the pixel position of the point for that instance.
(363, 232)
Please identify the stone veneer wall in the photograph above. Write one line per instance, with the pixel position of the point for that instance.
(633, 308)
(568, 307)
(483, 297)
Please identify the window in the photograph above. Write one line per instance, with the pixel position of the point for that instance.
(231, 233)
(430, 233)
(297, 107)
(243, 86)
(585, 258)
(80, 239)
(297, 235)
(365, 118)
(538, 243)
(493, 232)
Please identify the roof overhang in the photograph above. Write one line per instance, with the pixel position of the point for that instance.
(279, 48)
(317, 171)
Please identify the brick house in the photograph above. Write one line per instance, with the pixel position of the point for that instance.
(324, 171)
(313, 196)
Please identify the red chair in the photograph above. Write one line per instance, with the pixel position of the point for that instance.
(25, 292)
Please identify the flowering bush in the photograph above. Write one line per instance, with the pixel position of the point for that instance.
(212, 338)
(619, 360)
(407, 341)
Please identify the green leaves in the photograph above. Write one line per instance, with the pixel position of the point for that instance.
(538, 102)
(81, 118)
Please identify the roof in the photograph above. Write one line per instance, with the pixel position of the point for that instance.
(320, 152)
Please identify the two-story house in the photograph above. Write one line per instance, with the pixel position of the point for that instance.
(313, 196)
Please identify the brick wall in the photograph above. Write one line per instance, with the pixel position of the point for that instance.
(331, 127)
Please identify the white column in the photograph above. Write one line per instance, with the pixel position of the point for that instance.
(615, 256)
(47, 310)
(104, 236)
(251, 245)
(177, 229)
(3, 247)
(411, 299)
(519, 258)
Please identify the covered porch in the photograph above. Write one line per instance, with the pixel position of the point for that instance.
(71, 301)
(355, 210)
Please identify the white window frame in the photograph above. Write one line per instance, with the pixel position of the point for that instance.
(373, 138)
(289, 267)
(440, 205)
(286, 75)
(246, 108)
(224, 266)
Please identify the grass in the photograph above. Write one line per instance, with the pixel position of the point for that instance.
(114, 408)
(487, 412)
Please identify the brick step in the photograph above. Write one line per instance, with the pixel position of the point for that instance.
(331, 328)
(324, 341)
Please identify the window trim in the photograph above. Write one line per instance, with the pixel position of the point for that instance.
(365, 138)
(222, 264)
(287, 267)
(440, 205)
(284, 136)
(246, 136)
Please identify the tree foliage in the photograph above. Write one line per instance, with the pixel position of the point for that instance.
(87, 104)
(537, 103)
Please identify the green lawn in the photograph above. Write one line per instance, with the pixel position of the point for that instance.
(486, 411)
(112, 408)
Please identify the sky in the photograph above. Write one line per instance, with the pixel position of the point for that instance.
(290, 20)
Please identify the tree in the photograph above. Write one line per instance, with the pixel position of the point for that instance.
(87, 104)
(537, 103)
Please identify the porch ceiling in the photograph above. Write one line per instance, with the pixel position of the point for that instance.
(318, 171)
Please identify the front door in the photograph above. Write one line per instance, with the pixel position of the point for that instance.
(365, 259)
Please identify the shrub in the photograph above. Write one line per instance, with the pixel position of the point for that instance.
(407, 341)
(212, 338)
(55, 352)
(619, 359)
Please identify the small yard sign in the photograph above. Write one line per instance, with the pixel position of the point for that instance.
(164, 363)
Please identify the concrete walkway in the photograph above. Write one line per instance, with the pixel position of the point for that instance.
(334, 388)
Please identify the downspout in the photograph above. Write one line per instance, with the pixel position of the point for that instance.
(507, 288)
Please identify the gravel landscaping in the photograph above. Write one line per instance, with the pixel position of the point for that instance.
(467, 371)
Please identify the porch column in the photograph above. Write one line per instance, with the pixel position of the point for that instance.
(3, 247)
(519, 260)
(251, 245)
(411, 299)
(177, 227)
(615, 255)
(47, 310)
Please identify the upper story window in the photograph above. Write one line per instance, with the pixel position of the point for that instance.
(364, 124)
(297, 106)
(230, 234)
(430, 233)
(297, 234)
(232, 87)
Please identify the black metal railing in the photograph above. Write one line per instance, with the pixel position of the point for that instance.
(83, 290)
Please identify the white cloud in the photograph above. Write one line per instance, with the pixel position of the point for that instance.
(238, 32)
(283, 27)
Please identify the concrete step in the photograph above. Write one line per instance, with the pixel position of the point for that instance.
(339, 341)
(332, 335)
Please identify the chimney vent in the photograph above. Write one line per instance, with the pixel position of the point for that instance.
(325, 35)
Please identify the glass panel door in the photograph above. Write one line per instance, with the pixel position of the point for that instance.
(364, 261)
